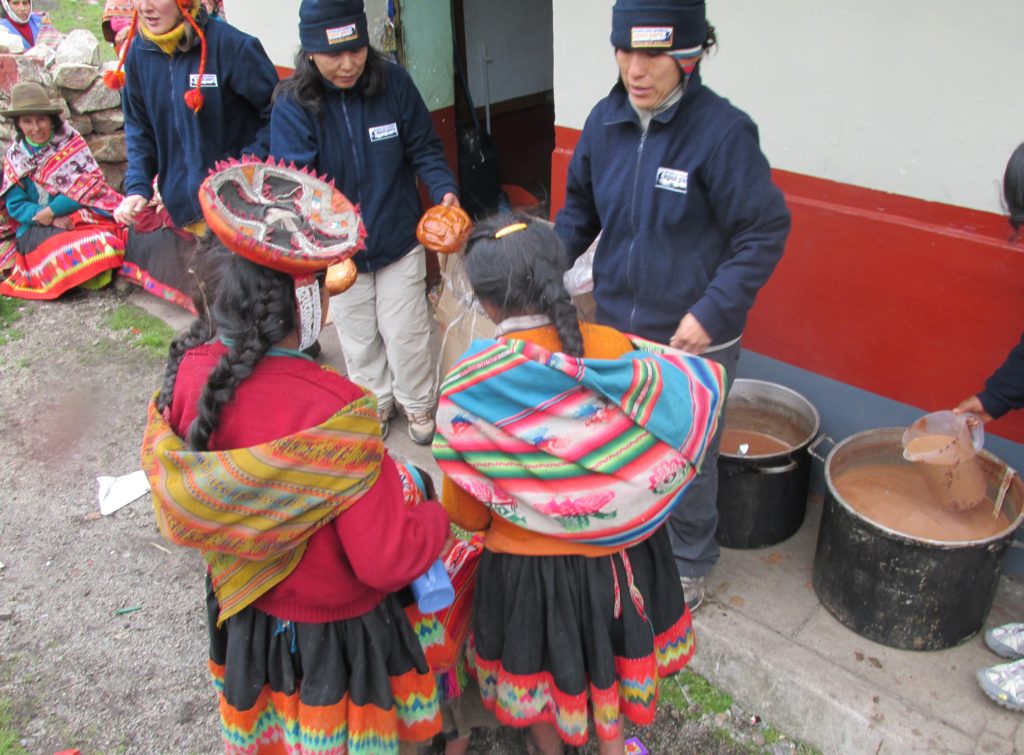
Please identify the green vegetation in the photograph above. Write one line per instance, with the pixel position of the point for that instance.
(10, 741)
(144, 330)
(79, 14)
(10, 313)
(696, 698)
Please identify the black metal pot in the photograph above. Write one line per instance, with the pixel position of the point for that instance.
(762, 499)
(899, 590)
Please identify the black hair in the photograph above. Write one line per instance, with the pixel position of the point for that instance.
(1013, 189)
(521, 273)
(306, 85)
(250, 306)
(55, 121)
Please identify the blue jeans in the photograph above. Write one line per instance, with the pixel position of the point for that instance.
(692, 525)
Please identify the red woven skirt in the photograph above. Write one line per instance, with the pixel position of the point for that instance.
(50, 262)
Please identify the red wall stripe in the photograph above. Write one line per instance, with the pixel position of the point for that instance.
(912, 300)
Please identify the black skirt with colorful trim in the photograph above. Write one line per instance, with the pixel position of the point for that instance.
(356, 686)
(561, 638)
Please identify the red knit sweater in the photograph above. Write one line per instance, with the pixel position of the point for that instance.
(374, 547)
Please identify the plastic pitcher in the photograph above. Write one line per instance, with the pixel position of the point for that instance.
(946, 447)
(433, 590)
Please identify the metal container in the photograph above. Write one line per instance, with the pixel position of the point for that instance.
(762, 499)
(896, 589)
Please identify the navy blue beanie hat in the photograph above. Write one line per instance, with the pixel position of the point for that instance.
(332, 25)
(659, 25)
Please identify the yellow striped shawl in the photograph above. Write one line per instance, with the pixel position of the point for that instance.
(252, 510)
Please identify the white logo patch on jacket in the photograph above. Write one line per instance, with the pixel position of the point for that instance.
(672, 180)
(387, 131)
(209, 80)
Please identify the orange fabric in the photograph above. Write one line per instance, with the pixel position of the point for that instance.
(599, 342)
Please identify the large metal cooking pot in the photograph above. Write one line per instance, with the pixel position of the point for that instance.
(896, 589)
(762, 498)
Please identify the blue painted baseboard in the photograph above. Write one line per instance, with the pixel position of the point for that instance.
(846, 410)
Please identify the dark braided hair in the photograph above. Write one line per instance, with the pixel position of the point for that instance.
(521, 274)
(1013, 189)
(251, 307)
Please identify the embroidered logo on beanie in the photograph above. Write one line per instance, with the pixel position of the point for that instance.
(340, 34)
(651, 37)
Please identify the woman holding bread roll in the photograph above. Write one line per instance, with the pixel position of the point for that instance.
(351, 114)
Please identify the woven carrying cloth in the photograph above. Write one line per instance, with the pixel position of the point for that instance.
(64, 166)
(280, 217)
(252, 510)
(596, 451)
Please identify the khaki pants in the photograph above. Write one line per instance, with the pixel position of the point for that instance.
(383, 324)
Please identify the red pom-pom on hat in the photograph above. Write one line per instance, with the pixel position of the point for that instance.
(114, 79)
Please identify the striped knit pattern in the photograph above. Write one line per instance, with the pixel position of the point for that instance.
(521, 700)
(282, 723)
(251, 510)
(596, 451)
(62, 262)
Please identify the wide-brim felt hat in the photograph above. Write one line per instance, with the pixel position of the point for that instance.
(280, 216)
(29, 98)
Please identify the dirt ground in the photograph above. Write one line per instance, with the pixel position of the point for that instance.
(102, 630)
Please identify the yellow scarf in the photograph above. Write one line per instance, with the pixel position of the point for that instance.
(168, 42)
(251, 511)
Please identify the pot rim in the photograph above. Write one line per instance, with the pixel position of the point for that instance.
(896, 534)
(780, 454)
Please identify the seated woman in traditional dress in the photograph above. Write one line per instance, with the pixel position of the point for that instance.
(58, 206)
(34, 28)
(569, 444)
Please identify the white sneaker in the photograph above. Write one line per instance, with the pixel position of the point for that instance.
(694, 590)
(1006, 640)
(421, 426)
(1004, 684)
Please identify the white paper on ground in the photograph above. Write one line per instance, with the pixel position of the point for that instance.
(118, 492)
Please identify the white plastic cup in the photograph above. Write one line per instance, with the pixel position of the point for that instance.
(945, 447)
(433, 590)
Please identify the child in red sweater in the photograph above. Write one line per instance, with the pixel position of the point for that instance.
(273, 466)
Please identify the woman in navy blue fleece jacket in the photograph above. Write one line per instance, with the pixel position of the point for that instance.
(195, 93)
(349, 113)
(691, 226)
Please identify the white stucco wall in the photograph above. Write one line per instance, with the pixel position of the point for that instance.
(916, 97)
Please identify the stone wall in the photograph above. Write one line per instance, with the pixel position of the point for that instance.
(73, 77)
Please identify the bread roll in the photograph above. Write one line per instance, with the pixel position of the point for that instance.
(444, 229)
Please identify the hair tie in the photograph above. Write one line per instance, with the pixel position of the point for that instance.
(509, 229)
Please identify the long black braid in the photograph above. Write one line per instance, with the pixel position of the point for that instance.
(251, 308)
(521, 273)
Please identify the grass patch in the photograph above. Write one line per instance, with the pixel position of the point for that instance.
(143, 329)
(694, 689)
(10, 313)
(10, 740)
(79, 14)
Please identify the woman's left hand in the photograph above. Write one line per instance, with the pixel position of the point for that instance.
(450, 200)
(65, 223)
(690, 336)
(43, 217)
